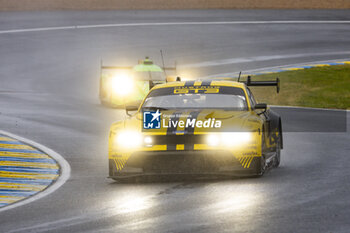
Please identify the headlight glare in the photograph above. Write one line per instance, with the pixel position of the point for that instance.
(147, 140)
(128, 139)
(228, 139)
(235, 138)
(213, 140)
(122, 84)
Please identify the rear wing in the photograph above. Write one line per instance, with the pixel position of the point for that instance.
(130, 67)
(150, 65)
(275, 83)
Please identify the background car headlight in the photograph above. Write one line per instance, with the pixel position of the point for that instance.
(122, 84)
(128, 139)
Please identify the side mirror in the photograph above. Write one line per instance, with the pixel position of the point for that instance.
(170, 79)
(261, 106)
(151, 84)
(173, 79)
(130, 109)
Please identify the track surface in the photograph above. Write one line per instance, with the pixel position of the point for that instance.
(48, 93)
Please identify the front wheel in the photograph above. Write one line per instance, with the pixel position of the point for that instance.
(277, 159)
(261, 163)
(261, 168)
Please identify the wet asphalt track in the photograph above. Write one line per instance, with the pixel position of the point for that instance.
(48, 93)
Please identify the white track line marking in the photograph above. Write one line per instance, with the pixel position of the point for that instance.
(232, 74)
(309, 108)
(298, 64)
(173, 24)
(258, 58)
(64, 176)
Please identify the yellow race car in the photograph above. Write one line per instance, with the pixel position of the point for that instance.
(197, 128)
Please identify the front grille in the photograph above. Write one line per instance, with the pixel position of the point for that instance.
(182, 162)
(188, 140)
(178, 139)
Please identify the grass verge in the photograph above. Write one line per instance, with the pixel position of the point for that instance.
(318, 87)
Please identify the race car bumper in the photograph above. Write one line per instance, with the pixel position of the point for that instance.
(157, 163)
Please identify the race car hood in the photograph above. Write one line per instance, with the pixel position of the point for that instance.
(203, 121)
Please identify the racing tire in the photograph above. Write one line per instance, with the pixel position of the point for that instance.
(277, 159)
(261, 168)
(261, 163)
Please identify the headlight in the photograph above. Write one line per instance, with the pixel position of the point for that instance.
(148, 140)
(228, 139)
(122, 84)
(213, 140)
(235, 138)
(128, 139)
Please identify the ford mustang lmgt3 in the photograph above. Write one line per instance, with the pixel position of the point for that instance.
(197, 128)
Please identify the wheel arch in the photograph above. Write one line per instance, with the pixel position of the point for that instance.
(275, 124)
(280, 131)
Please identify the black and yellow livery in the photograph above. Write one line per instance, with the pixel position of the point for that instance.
(207, 128)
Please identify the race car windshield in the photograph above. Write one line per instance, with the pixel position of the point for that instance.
(229, 101)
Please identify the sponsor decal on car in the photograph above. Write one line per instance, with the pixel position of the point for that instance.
(154, 120)
(151, 119)
(196, 90)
